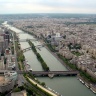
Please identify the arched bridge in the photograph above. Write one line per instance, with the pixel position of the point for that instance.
(26, 49)
(39, 46)
(29, 48)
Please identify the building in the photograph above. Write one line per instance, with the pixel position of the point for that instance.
(2, 66)
(2, 47)
(4, 41)
(22, 93)
(7, 80)
(6, 38)
(10, 60)
(54, 38)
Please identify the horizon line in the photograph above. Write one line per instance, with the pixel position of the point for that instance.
(48, 13)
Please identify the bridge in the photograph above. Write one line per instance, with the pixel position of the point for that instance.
(21, 33)
(46, 73)
(39, 46)
(26, 49)
(29, 48)
(25, 40)
(51, 73)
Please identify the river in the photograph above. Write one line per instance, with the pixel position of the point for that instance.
(67, 86)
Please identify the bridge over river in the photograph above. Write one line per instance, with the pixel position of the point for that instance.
(29, 48)
(50, 73)
(25, 40)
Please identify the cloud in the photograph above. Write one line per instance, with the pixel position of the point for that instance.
(48, 6)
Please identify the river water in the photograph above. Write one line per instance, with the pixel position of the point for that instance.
(67, 86)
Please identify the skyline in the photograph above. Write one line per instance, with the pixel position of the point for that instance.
(48, 6)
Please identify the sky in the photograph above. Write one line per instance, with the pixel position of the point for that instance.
(47, 6)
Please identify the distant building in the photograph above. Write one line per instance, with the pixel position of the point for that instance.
(2, 47)
(4, 40)
(54, 38)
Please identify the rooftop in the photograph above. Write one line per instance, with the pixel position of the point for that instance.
(7, 76)
(1, 65)
(1, 39)
(3, 81)
(22, 93)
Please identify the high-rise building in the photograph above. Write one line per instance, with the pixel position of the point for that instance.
(4, 40)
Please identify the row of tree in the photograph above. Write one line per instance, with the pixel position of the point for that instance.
(44, 65)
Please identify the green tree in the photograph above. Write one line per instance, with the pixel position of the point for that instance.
(43, 84)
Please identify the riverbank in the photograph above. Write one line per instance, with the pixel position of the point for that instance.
(87, 83)
(38, 85)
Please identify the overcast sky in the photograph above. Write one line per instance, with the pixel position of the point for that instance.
(47, 6)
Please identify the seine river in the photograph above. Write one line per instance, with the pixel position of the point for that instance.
(67, 86)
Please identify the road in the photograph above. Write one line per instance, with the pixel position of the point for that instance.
(42, 94)
(15, 55)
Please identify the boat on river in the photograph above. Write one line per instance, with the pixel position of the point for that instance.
(30, 69)
(87, 85)
(93, 90)
(81, 81)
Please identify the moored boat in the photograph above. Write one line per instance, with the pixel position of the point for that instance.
(93, 90)
(81, 81)
(30, 69)
(87, 85)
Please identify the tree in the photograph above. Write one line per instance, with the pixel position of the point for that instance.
(43, 84)
(64, 36)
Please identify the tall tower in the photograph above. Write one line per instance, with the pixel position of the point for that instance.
(6, 38)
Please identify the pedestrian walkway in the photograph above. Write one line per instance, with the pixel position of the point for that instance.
(51, 93)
